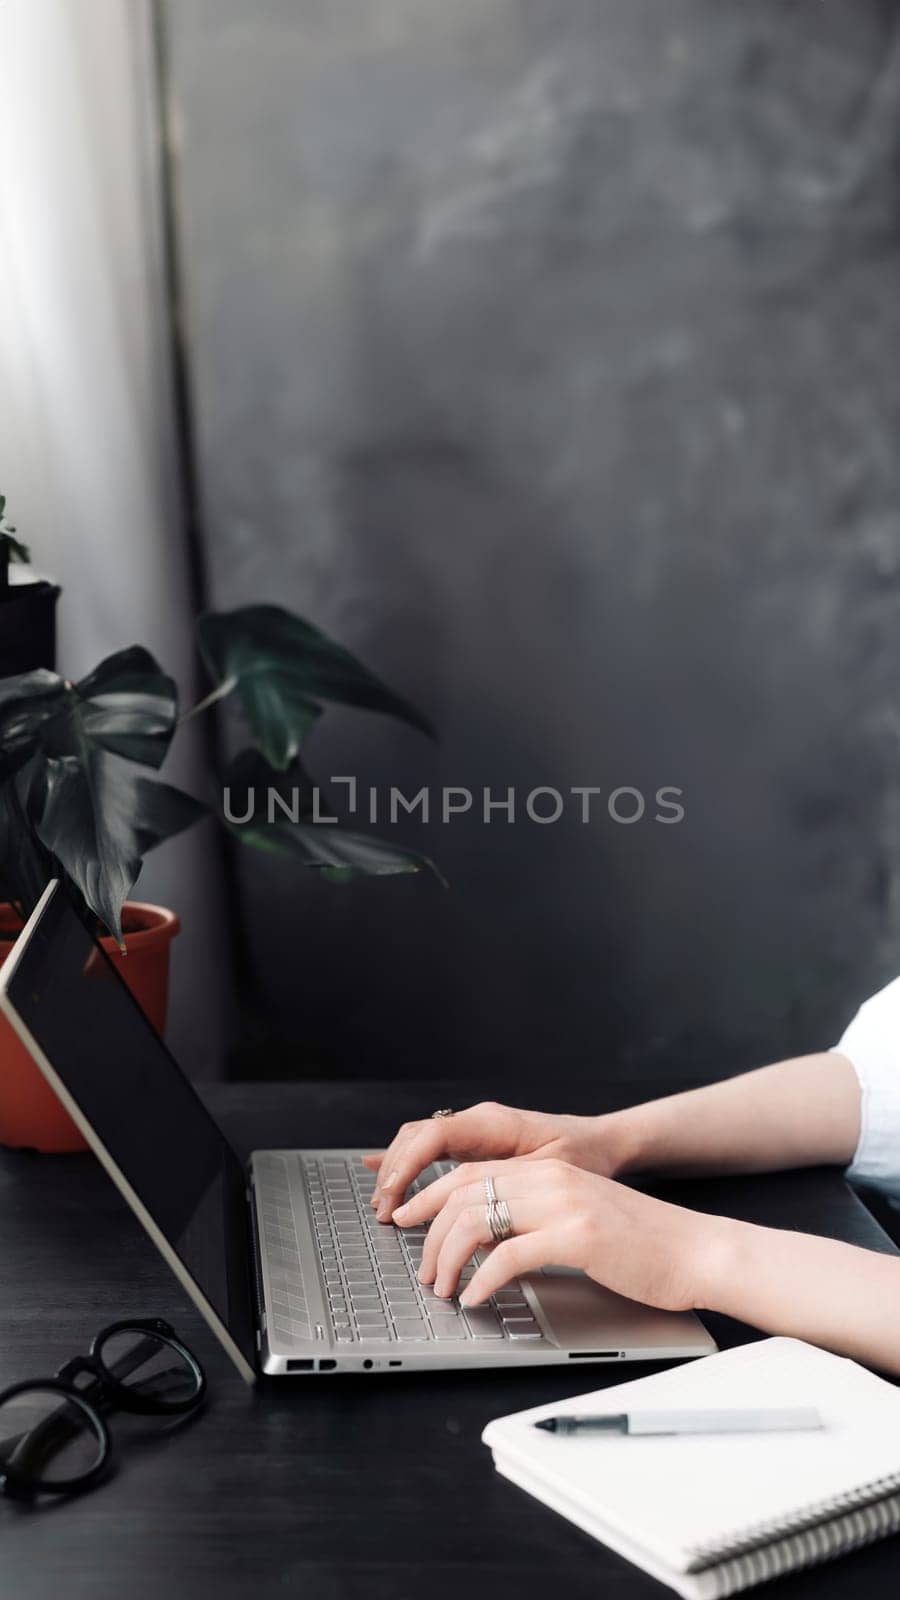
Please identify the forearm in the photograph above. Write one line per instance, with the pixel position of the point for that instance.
(835, 1295)
(797, 1113)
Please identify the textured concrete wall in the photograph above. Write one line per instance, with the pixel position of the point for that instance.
(546, 352)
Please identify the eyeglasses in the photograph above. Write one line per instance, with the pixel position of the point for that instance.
(53, 1439)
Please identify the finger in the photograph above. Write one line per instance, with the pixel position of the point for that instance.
(524, 1253)
(429, 1201)
(469, 1194)
(420, 1143)
(508, 1185)
(388, 1160)
(470, 1229)
(414, 1149)
(373, 1162)
(386, 1194)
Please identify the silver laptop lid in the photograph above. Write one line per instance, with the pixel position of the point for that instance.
(137, 1110)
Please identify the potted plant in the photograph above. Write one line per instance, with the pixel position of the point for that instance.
(80, 799)
(27, 609)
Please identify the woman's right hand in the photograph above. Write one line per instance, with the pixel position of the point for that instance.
(487, 1133)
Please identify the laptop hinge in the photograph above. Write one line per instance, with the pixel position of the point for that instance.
(256, 1282)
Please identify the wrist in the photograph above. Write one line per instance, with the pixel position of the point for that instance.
(718, 1253)
(619, 1142)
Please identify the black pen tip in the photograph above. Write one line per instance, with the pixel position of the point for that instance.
(547, 1423)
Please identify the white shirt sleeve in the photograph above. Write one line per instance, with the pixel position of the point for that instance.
(872, 1044)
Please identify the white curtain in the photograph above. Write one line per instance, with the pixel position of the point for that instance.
(88, 457)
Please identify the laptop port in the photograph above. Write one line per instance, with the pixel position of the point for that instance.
(596, 1355)
(327, 1366)
(300, 1366)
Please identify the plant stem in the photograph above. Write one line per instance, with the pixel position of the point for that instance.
(219, 693)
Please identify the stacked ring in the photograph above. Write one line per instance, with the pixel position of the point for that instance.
(497, 1215)
(499, 1221)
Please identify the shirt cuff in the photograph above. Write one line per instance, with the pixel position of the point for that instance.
(872, 1045)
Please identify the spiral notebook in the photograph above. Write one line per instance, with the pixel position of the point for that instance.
(711, 1514)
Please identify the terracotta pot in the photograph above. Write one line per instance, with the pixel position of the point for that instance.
(30, 1113)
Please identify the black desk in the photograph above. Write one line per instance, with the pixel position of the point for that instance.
(346, 1488)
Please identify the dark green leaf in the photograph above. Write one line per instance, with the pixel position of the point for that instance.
(83, 821)
(97, 815)
(27, 701)
(24, 686)
(282, 667)
(161, 811)
(129, 706)
(76, 751)
(15, 549)
(10, 548)
(25, 869)
(249, 777)
(336, 851)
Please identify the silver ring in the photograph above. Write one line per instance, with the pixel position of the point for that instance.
(445, 1111)
(490, 1193)
(499, 1221)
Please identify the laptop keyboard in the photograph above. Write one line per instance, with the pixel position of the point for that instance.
(369, 1270)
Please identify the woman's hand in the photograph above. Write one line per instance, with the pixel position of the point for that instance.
(490, 1132)
(562, 1215)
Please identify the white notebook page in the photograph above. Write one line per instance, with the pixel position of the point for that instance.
(671, 1495)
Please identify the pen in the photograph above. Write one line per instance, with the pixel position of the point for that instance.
(772, 1420)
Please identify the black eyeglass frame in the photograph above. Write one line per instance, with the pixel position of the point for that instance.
(106, 1388)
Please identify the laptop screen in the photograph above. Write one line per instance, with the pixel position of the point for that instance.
(141, 1108)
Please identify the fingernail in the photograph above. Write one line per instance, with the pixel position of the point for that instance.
(384, 1211)
(466, 1301)
(401, 1211)
(376, 1198)
(424, 1276)
(390, 1181)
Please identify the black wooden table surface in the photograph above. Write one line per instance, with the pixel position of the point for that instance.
(337, 1488)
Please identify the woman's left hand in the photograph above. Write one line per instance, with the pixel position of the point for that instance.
(646, 1249)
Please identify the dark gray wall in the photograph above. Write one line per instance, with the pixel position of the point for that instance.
(545, 351)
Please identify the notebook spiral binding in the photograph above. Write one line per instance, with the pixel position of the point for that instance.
(821, 1531)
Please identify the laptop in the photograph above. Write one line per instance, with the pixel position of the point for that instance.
(282, 1256)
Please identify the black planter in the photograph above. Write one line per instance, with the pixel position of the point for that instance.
(28, 627)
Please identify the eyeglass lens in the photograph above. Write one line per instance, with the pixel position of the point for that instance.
(150, 1365)
(47, 1438)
